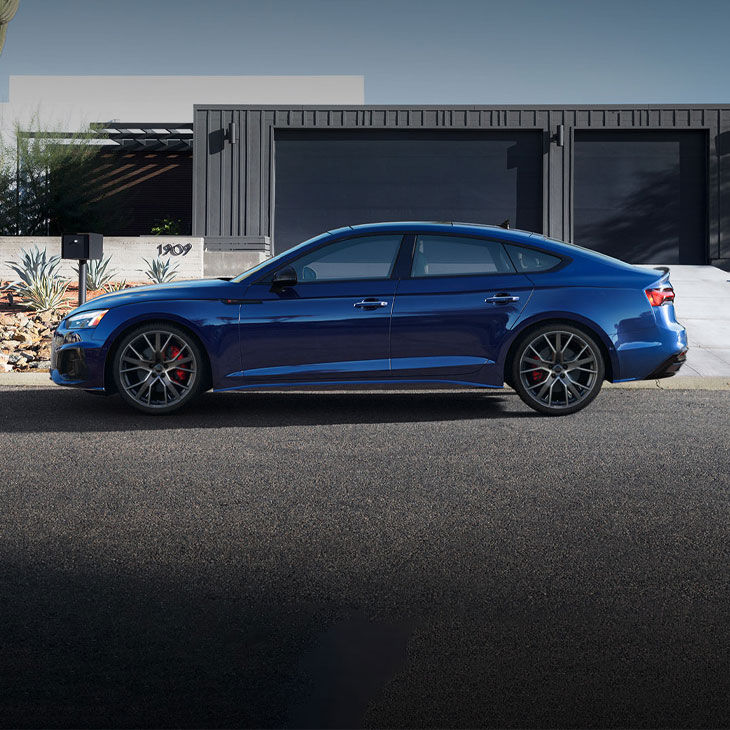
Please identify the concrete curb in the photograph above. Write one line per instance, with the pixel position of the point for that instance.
(39, 379)
(679, 382)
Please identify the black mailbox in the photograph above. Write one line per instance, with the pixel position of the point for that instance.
(82, 246)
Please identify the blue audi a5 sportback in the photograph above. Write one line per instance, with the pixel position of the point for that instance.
(385, 303)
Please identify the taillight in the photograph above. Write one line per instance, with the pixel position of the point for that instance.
(657, 297)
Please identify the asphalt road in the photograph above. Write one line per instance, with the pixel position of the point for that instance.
(381, 559)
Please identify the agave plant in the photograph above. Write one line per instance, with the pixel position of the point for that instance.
(34, 266)
(97, 273)
(113, 286)
(39, 287)
(44, 294)
(159, 271)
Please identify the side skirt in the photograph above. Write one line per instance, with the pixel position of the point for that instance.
(390, 381)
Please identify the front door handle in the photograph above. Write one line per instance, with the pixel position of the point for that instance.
(501, 299)
(370, 304)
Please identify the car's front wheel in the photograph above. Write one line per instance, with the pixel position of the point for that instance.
(557, 369)
(158, 368)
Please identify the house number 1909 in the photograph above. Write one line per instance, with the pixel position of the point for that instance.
(174, 249)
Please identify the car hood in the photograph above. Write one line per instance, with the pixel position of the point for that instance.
(194, 289)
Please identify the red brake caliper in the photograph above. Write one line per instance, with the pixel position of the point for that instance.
(538, 376)
(174, 353)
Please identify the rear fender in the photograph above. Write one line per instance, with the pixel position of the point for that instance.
(557, 316)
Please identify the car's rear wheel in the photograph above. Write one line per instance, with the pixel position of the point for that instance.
(158, 368)
(557, 369)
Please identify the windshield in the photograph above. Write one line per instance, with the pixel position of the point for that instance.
(266, 262)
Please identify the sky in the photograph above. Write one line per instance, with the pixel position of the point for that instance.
(409, 51)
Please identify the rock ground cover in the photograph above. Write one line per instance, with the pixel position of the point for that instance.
(25, 335)
(25, 339)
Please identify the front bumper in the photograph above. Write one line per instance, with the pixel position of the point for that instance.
(76, 362)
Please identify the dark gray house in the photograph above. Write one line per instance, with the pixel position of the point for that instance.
(649, 184)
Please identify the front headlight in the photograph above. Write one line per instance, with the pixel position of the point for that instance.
(86, 319)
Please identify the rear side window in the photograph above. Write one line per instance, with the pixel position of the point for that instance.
(457, 256)
(527, 260)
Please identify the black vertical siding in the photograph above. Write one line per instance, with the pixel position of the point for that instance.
(234, 188)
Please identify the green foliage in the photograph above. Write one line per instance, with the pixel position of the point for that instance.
(7, 192)
(167, 227)
(113, 286)
(49, 183)
(39, 285)
(8, 8)
(159, 271)
(97, 275)
(35, 265)
(43, 294)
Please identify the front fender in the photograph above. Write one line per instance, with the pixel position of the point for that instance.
(213, 322)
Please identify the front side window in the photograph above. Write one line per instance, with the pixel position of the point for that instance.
(364, 257)
(528, 260)
(457, 256)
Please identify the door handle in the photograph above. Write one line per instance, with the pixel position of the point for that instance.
(501, 299)
(370, 304)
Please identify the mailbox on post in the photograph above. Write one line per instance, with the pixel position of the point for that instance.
(82, 247)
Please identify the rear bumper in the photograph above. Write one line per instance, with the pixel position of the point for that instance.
(669, 367)
(643, 353)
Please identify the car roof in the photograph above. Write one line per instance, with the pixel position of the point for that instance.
(562, 248)
(510, 234)
(567, 251)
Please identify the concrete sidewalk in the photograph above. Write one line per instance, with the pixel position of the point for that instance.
(678, 382)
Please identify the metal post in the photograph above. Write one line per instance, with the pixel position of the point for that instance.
(82, 281)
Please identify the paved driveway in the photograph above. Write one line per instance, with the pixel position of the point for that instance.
(387, 559)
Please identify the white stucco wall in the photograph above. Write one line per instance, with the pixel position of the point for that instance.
(127, 254)
(74, 101)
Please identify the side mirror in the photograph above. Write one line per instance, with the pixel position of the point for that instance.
(284, 278)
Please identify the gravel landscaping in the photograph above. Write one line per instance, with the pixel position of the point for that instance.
(25, 334)
(25, 340)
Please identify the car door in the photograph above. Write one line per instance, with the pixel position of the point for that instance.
(454, 311)
(333, 324)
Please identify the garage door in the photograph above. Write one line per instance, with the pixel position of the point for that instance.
(327, 179)
(641, 196)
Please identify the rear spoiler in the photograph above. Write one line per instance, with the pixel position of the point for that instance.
(665, 273)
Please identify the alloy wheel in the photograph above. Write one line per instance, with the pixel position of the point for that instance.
(157, 369)
(559, 369)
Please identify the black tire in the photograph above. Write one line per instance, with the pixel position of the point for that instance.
(158, 368)
(557, 369)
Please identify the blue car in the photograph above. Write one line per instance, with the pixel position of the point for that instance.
(454, 303)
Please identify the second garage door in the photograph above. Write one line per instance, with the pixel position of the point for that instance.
(641, 196)
(328, 179)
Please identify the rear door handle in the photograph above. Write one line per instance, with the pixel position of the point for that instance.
(370, 304)
(501, 299)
